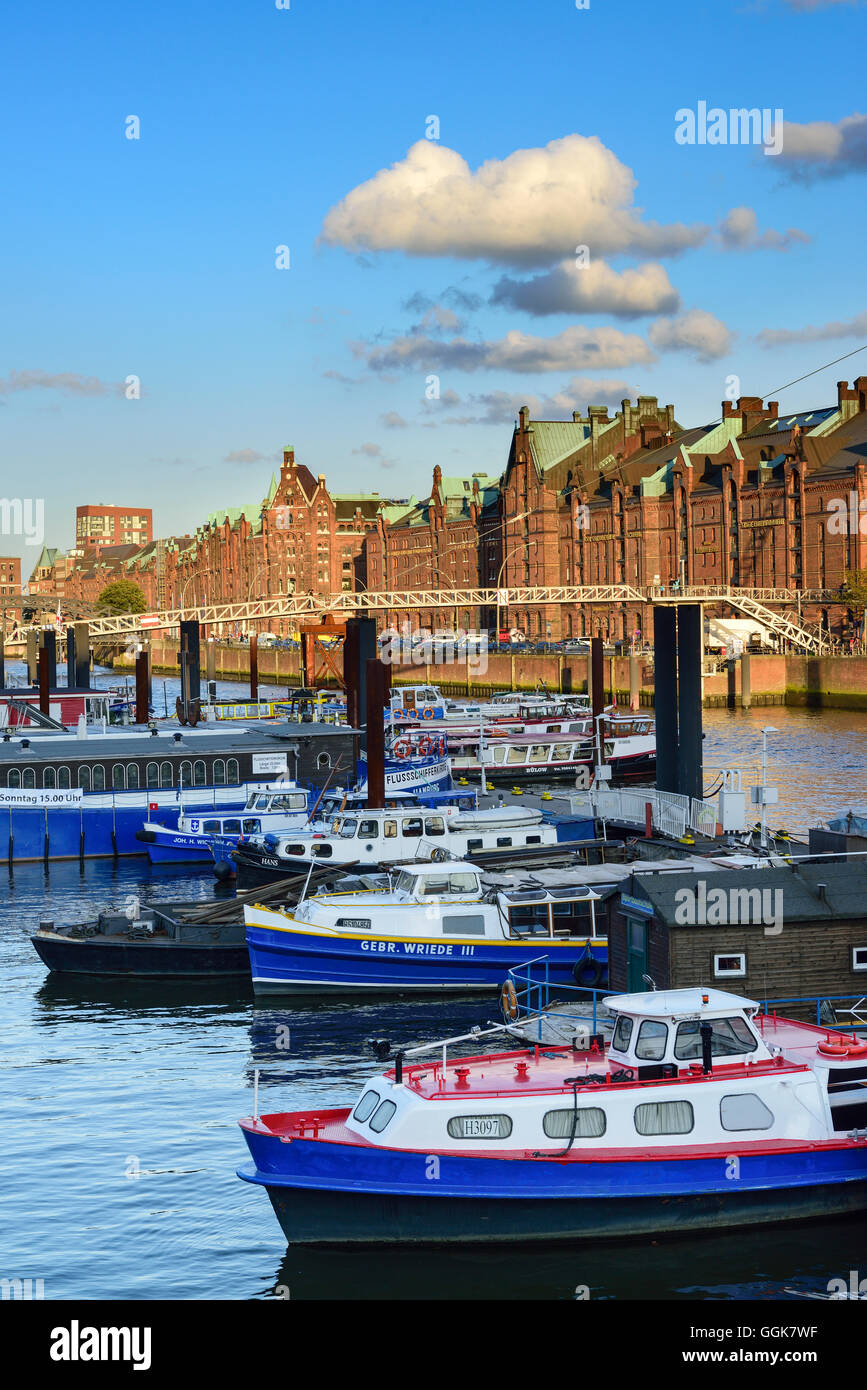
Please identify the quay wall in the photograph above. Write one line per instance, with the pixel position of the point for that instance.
(830, 682)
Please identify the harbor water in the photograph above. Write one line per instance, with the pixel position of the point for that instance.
(120, 1105)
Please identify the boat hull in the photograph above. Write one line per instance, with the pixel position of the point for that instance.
(344, 1194)
(290, 962)
(141, 959)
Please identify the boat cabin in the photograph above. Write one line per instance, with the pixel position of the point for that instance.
(660, 1032)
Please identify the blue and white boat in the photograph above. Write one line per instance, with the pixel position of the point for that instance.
(281, 808)
(438, 928)
(699, 1115)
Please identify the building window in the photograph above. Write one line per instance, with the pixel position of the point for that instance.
(118, 777)
(132, 776)
(219, 772)
(152, 774)
(186, 775)
(859, 954)
(84, 778)
(232, 772)
(98, 777)
(323, 760)
(63, 778)
(166, 777)
(14, 778)
(49, 777)
(199, 772)
(730, 965)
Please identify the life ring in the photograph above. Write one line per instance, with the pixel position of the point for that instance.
(427, 713)
(829, 1049)
(402, 748)
(588, 972)
(425, 746)
(858, 1049)
(509, 1002)
(409, 713)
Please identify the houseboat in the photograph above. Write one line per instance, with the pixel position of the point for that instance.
(383, 838)
(20, 708)
(437, 928)
(80, 795)
(697, 1115)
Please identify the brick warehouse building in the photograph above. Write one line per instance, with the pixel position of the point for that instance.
(757, 499)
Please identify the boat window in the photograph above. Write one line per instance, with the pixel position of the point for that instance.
(185, 778)
(532, 839)
(560, 753)
(517, 755)
(49, 777)
(366, 1105)
(118, 777)
(368, 829)
(664, 1117)
(470, 924)
(152, 774)
(262, 803)
(434, 825)
(412, 827)
(252, 826)
(480, 1126)
(745, 1111)
(84, 778)
(539, 752)
(347, 828)
(132, 776)
(652, 1037)
(588, 1122)
(729, 1038)
(499, 754)
(389, 829)
(622, 1034)
(473, 845)
(219, 772)
(383, 1114)
(231, 827)
(503, 841)
(405, 882)
(63, 779)
(530, 919)
(211, 827)
(199, 777)
(232, 772)
(318, 851)
(294, 849)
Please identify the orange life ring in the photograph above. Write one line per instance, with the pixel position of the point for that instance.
(402, 748)
(509, 1002)
(410, 714)
(427, 713)
(829, 1049)
(425, 746)
(858, 1049)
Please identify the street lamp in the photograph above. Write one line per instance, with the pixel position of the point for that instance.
(768, 730)
(509, 553)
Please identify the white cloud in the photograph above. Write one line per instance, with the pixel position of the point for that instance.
(696, 331)
(393, 421)
(779, 337)
(70, 383)
(591, 289)
(574, 348)
(531, 208)
(822, 149)
(499, 407)
(739, 231)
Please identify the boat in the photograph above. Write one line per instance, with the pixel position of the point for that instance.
(380, 838)
(437, 927)
(160, 941)
(411, 704)
(284, 807)
(700, 1114)
(628, 748)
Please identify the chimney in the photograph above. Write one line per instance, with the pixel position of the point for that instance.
(524, 417)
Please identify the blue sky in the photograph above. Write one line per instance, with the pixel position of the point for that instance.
(262, 127)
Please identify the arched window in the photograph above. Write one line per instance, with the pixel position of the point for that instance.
(166, 778)
(152, 774)
(132, 776)
(14, 778)
(199, 773)
(98, 777)
(186, 775)
(84, 778)
(118, 777)
(49, 777)
(219, 772)
(232, 772)
(63, 778)
(324, 760)
(28, 777)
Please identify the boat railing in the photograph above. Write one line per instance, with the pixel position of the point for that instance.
(823, 1004)
(532, 986)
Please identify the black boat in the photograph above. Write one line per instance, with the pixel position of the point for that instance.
(167, 941)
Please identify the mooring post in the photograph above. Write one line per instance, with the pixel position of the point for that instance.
(377, 695)
(141, 686)
(44, 682)
(254, 665)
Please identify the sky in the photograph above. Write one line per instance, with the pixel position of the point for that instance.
(374, 231)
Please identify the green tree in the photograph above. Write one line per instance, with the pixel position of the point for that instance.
(123, 596)
(854, 592)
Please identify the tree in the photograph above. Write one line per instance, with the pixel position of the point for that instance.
(854, 591)
(123, 596)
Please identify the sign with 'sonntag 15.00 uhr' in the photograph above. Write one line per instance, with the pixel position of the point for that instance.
(41, 796)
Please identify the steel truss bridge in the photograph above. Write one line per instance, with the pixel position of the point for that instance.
(759, 604)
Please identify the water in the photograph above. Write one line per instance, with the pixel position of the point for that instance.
(120, 1107)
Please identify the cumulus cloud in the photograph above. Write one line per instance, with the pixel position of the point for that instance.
(524, 210)
(739, 231)
(823, 149)
(517, 352)
(393, 421)
(375, 454)
(591, 289)
(246, 456)
(463, 301)
(696, 331)
(846, 328)
(70, 383)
